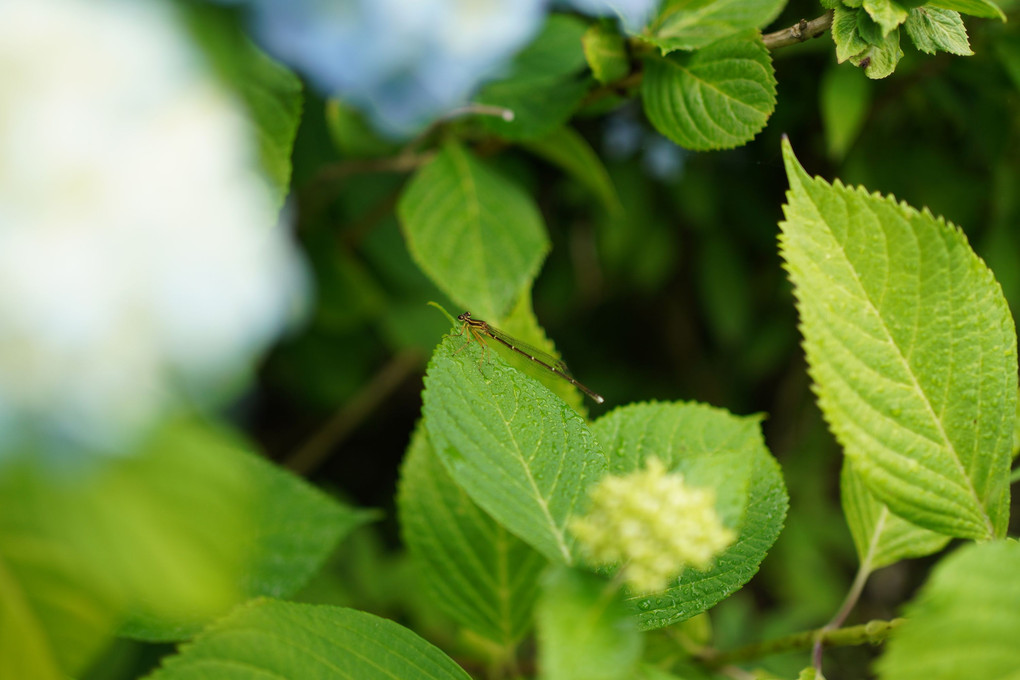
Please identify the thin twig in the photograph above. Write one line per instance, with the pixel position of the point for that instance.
(317, 448)
(849, 602)
(872, 632)
(800, 32)
(402, 162)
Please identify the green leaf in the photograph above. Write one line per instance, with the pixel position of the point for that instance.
(683, 669)
(716, 98)
(568, 149)
(912, 351)
(846, 35)
(54, 615)
(886, 13)
(539, 104)
(881, 538)
(477, 235)
(879, 61)
(692, 24)
(521, 453)
(274, 98)
(272, 639)
(272, 93)
(352, 136)
(975, 8)
(483, 577)
(712, 449)
(606, 52)
(1016, 432)
(544, 87)
(586, 631)
(79, 552)
(522, 325)
(290, 526)
(966, 621)
(555, 51)
(869, 29)
(934, 29)
(166, 539)
(845, 101)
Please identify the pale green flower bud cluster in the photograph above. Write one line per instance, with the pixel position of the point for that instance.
(653, 524)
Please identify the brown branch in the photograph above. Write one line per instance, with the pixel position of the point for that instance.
(318, 447)
(800, 32)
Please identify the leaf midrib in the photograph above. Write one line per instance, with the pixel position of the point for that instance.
(557, 531)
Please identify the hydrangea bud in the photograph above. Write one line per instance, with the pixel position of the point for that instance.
(653, 524)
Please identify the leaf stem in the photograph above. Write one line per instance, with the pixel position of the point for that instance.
(800, 32)
(872, 632)
(854, 594)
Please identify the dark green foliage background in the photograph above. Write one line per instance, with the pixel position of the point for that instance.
(680, 296)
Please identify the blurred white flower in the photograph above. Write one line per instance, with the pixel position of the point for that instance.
(139, 253)
(653, 525)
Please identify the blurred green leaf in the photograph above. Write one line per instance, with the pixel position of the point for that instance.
(1008, 50)
(55, 612)
(272, 93)
(268, 638)
(932, 29)
(712, 449)
(478, 573)
(606, 52)
(912, 351)
(157, 532)
(538, 104)
(881, 538)
(965, 622)
(167, 539)
(544, 86)
(289, 527)
(724, 290)
(975, 8)
(555, 51)
(716, 98)
(519, 452)
(274, 98)
(692, 24)
(585, 629)
(845, 101)
(352, 136)
(568, 149)
(477, 235)
(638, 247)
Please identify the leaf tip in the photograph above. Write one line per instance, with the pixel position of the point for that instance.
(795, 172)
